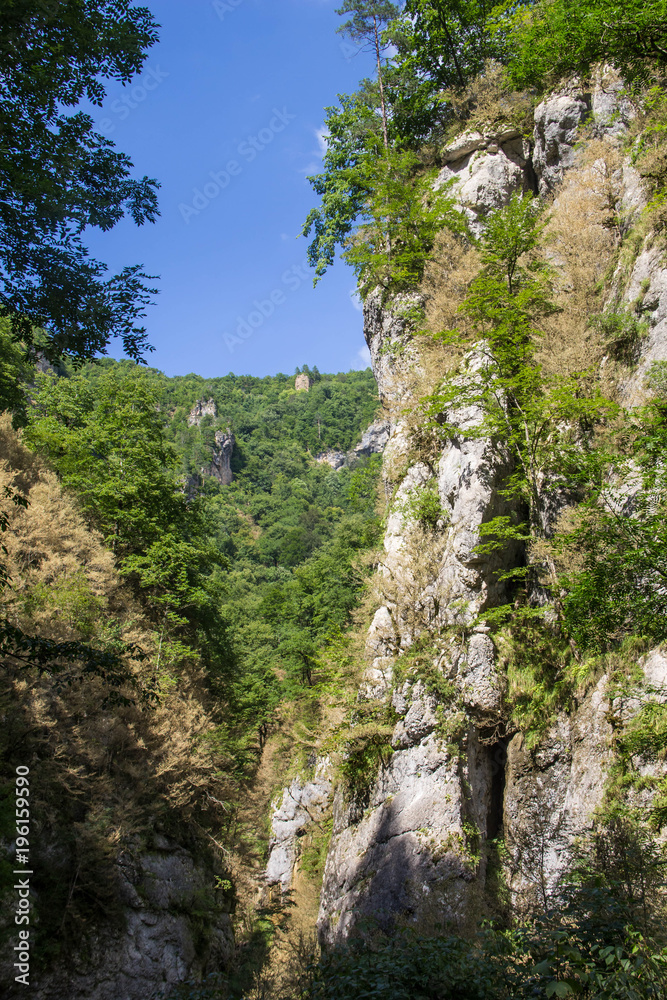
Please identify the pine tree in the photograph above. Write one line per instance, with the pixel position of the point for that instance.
(369, 18)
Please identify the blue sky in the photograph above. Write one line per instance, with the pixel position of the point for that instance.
(226, 115)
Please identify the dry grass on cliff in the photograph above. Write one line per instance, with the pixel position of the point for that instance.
(582, 244)
(489, 100)
(104, 774)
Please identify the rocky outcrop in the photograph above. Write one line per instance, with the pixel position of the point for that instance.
(161, 944)
(221, 464)
(302, 804)
(485, 170)
(336, 459)
(407, 847)
(557, 122)
(405, 856)
(303, 383)
(553, 789)
(202, 408)
(373, 442)
(374, 439)
(410, 847)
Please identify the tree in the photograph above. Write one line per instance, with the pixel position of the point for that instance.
(342, 188)
(58, 176)
(369, 18)
(106, 440)
(449, 40)
(534, 418)
(546, 41)
(107, 443)
(398, 224)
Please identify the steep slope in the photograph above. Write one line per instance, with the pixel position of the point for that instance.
(123, 791)
(415, 845)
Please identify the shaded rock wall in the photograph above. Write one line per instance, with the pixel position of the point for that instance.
(162, 942)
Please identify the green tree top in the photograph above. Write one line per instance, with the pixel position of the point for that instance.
(369, 18)
(58, 176)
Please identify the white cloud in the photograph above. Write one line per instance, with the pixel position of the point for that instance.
(364, 355)
(355, 299)
(322, 135)
(315, 166)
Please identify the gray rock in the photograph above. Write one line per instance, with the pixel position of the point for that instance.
(553, 791)
(485, 179)
(336, 459)
(373, 442)
(374, 439)
(470, 141)
(302, 804)
(398, 853)
(221, 465)
(202, 408)
(646, 291)
(557, 121)
(403, 858)
(161, 944)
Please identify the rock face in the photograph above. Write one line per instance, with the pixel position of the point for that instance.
(161, 944)
(552, 790)
(373, 442)
(404, 856)
(221, 466)
(484, 171)
(557, 122)
(646, 291)
(410, 847)
(374, 439)
(336, 459)
(303, 383)
(302, 804)
(202, 408)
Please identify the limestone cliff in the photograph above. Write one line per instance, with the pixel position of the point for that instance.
(221, 463)
(414, 846)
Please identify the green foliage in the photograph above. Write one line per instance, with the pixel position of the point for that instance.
(108, 446)
(314, 855)
(60, 176)
(620, 539)
(449, 40)
(363, 746)
(555, 38)
(401, 217)
(15, 372)
(622, 333)
(422, 504)
(535, 419)
(380, 207)
(542, 671)
(255, 576)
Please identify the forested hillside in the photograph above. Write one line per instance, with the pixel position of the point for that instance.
(210, 603)
(396, 729)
